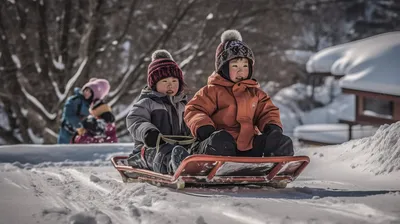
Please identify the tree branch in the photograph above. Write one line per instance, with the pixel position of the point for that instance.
(133, 71)
(71, 82)
(125, 30)
(8, 136)
(44, 49)
(65, 33)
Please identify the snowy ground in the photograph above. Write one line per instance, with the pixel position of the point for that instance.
(356, 182)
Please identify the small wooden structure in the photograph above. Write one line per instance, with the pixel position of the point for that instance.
(372, 108)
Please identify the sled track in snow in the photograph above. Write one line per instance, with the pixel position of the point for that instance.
(71, 191)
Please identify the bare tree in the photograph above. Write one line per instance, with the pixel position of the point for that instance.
(48, 47)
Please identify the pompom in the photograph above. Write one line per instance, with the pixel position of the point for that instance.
(158, 54)
(229, 35)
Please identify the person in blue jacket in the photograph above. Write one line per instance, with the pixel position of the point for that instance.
(77, 106)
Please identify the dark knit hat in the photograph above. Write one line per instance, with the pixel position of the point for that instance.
(231, 47)
(163, 66)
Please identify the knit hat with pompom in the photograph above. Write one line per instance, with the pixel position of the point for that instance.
(163, 66)
(232, 46)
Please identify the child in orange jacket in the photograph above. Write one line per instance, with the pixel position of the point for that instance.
(232, 116)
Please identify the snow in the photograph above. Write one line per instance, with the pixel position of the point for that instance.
(35, 139)
(332, 133)
(289, 101)
(59, 63)
(38, 104)
(378, 154)
(16, 61)
(38, 68)
(71, 82)
(186, 61)
(298, 56)
(51, 132)
(122, 114)
(3, 118)
(369, 64)
(342, 107)
(356, 182)
(113, 93)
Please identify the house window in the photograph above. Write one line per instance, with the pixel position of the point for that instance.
(378, 108)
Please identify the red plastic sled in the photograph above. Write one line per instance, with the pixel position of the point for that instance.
(205, 170)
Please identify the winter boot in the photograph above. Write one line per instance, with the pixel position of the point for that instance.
(136, 161)
(142, 159)
(179, 153)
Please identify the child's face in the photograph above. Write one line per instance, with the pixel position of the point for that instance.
(168, 86)
(238, 69)
(87, 93)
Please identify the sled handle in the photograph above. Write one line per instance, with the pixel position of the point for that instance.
(170, 139)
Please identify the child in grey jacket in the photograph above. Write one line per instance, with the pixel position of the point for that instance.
(159, 110)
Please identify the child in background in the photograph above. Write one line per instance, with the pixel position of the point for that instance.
(98, 127)
(159, 110)
(76, 107)
(232, 116)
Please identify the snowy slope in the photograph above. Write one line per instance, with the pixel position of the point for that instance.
(356, 182)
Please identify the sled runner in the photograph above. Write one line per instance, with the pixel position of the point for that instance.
(205, 170)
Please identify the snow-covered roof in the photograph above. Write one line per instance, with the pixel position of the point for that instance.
(370, 64)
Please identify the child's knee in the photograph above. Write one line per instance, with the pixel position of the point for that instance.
(274, 144)
(285, 147)
(221, 143)
(162, 158)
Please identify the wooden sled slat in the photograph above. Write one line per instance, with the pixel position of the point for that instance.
(212, 170)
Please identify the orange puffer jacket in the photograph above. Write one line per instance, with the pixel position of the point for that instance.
(240, 108)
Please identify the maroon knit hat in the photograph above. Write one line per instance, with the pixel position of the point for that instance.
(232, 46)
(163, 66)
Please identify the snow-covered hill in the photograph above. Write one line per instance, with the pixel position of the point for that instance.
(356, 182)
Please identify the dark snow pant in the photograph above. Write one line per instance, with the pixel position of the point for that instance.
(223, 144)
(64, 137)
(273, 144)
(157, 162)
(220, 143)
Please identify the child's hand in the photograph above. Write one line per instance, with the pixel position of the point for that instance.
(204, 132)
(273, 142)
(150, 138)
(81, 131)
(271, 127)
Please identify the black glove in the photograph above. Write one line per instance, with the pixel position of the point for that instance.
(204, 132)
(274, 143)
(271, 127)
(150, 138)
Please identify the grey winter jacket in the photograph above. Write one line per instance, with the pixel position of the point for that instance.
(157, 111)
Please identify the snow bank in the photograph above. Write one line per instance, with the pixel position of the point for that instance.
(379, 154)
(332, 133)
(369, 64)
(62, 155)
